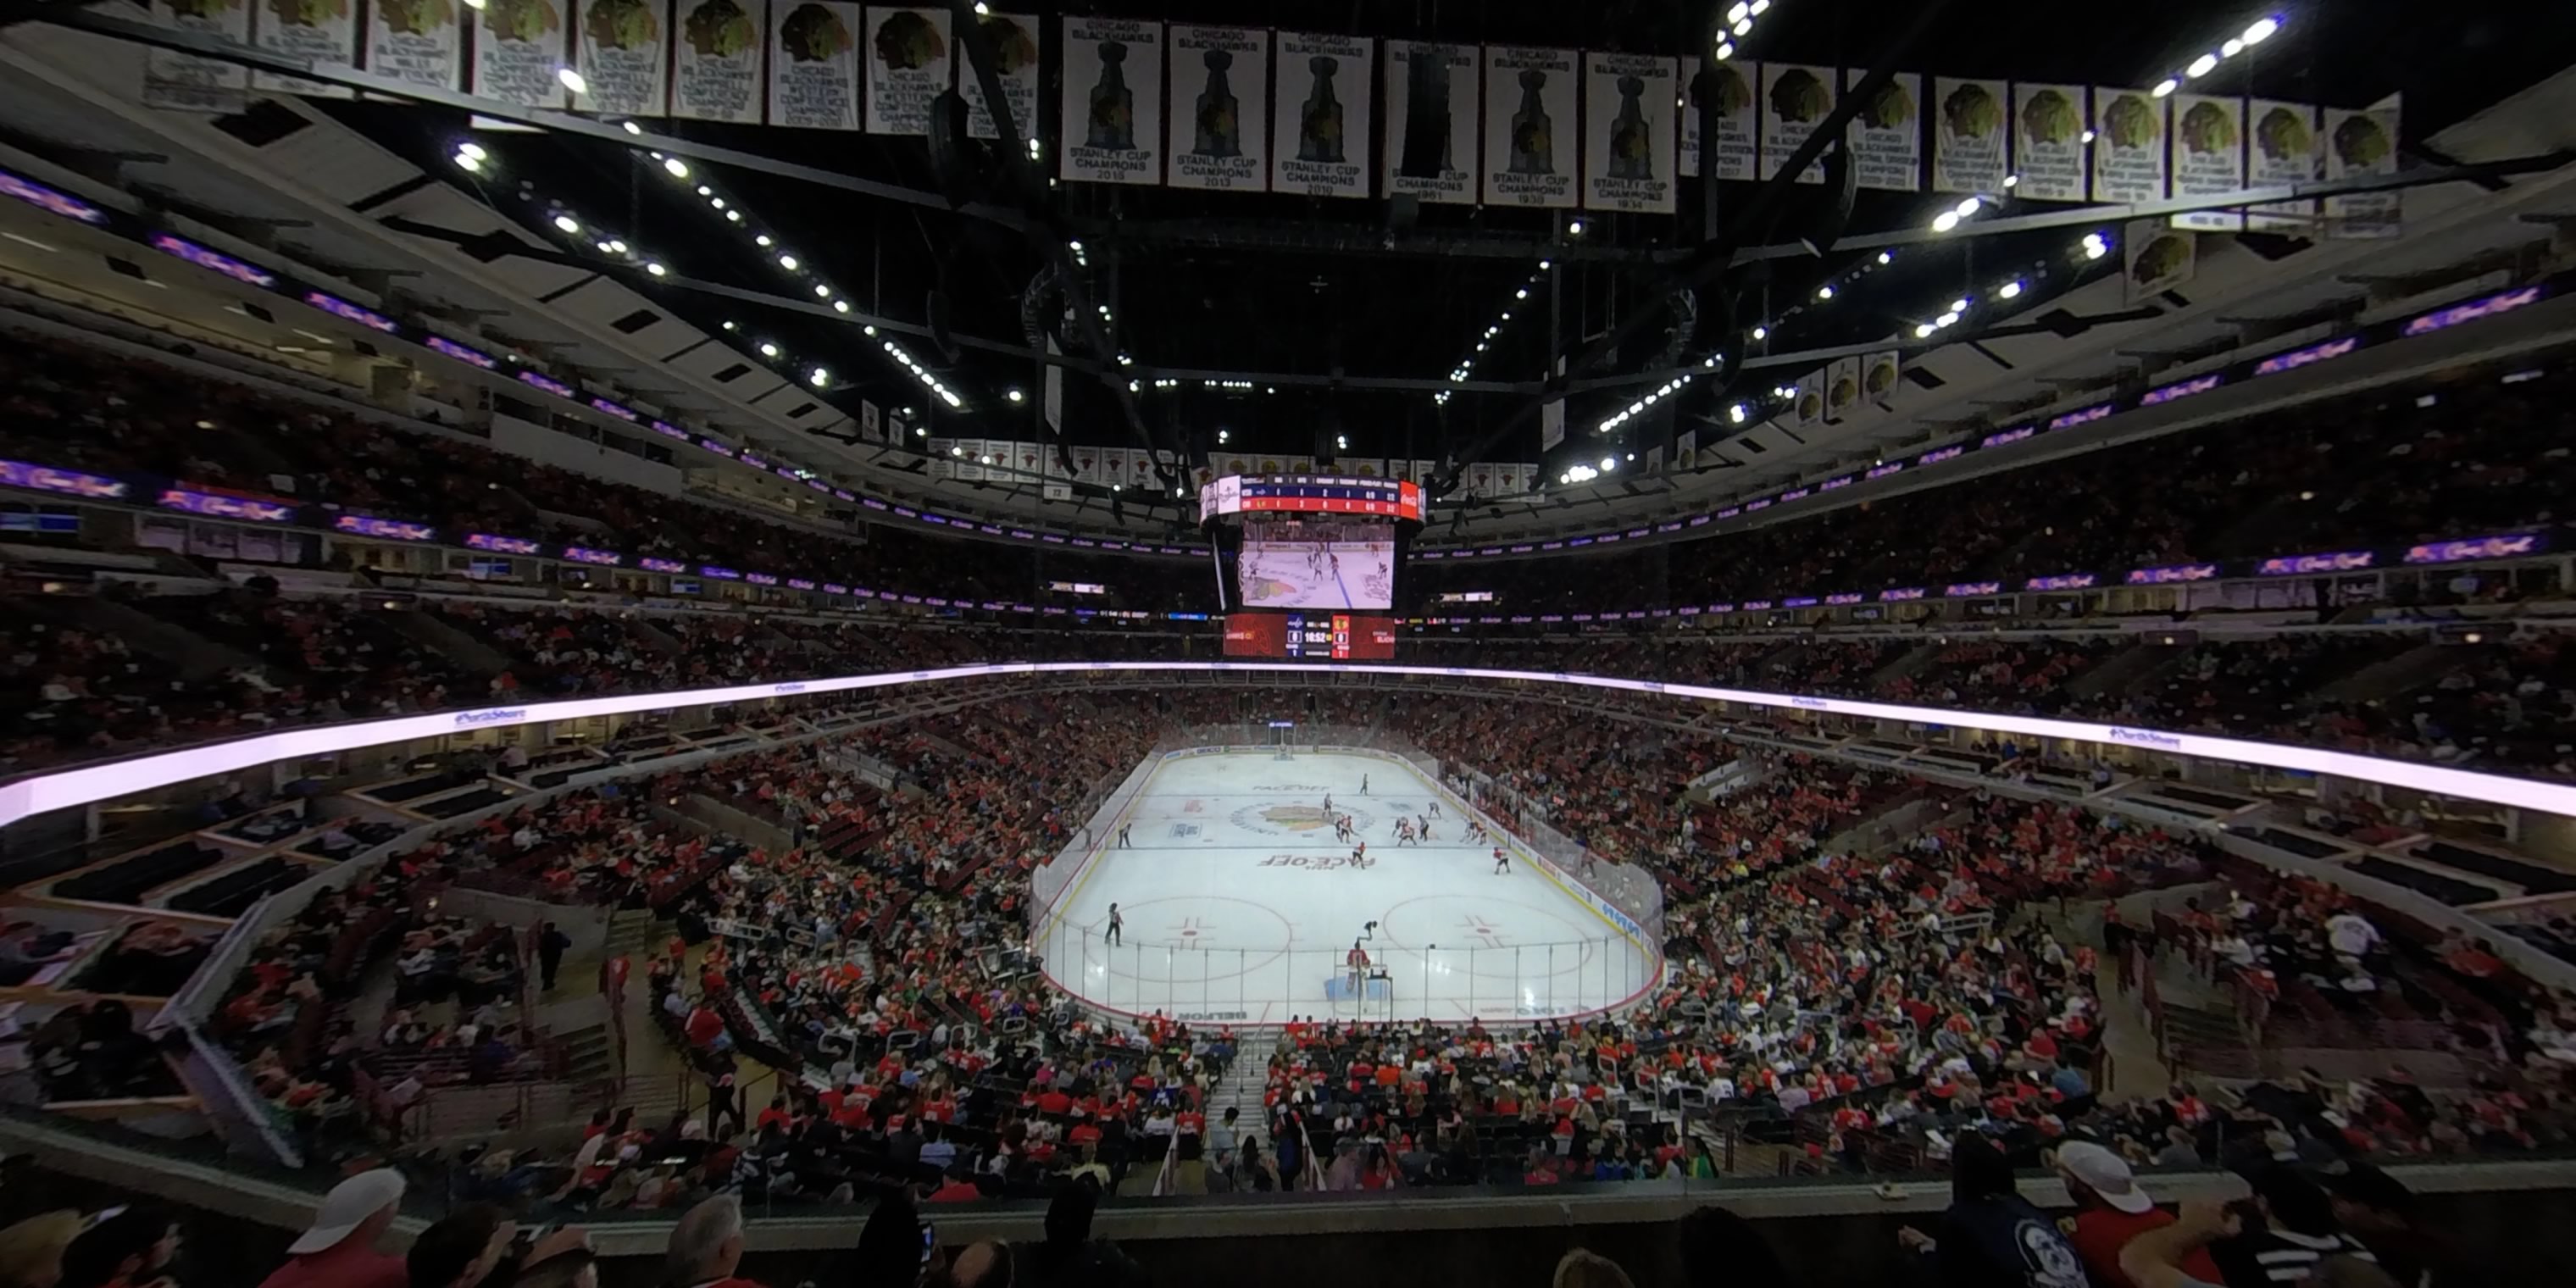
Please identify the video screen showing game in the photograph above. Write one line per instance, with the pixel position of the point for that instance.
(1316, 563)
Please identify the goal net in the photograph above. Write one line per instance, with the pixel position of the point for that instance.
(1283, 734)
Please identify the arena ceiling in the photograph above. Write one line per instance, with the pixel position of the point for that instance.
(1310, 305)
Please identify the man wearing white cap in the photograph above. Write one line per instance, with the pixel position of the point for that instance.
(2111, 1208)
(339, 1249)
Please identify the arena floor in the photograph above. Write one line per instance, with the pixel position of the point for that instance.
(1240, 906)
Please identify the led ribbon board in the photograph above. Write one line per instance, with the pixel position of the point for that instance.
(90, 784)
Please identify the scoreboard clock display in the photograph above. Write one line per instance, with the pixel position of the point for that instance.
(1318, 637)
(1309, 494)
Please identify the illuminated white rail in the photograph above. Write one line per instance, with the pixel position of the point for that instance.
(91, 784)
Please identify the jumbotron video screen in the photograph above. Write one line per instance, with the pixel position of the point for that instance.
(1327, 637)
(1316, 563)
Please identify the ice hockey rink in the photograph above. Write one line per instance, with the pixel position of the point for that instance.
(1238, 905)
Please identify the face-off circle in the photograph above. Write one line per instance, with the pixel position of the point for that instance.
(1298, 819)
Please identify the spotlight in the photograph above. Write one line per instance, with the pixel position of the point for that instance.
(679, 170)
(1824, 292)
(2088, 136)
(2163, 87)
(468, 163)
(1574, 228)
(1609, 462)
(1725, 50)
(1968, 207)
(818, 377)
(656, 269)
(572, 80)
(1945, 221)
(1886, 257)
(1761, 333)
(822, 290)
(631, 127)
(1016, 396)
(2009, 289)
(470, 148)
(2261, 30)
(768, 350)
(568, 223)
(1922, 330)
(2201, 66)
(787, 262)
(1959, 305)
(840, 306)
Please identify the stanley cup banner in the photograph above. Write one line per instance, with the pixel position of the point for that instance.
(323, 31)
(1432, 113)
(1219, 116)
(1739, 121)
(1319, 122)
(1969, 152)
(2208, 157)
(1112, 110)
(1686, 449)
(1795, 100)
(2283, 146)
(814, 64)
(623, 50)
(1530, 134)
(2156, 258)
(1810, 405)
(1842, 387)
(2048, 142)
(715, 65)
(1017, 45)
(1886, 136)
(1628, 155)
(2128, 145)
(2358, 145)
(910, 60)
(186, 82)
(417, 42)
(519, 48)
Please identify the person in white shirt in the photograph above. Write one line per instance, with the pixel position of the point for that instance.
(2351, 935)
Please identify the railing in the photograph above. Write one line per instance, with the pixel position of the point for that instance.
(1627, 887)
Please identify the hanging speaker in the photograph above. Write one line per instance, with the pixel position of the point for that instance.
(935, 308)
(956, 159)
(1842, 183)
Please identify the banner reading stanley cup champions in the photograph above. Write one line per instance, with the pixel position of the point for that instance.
(1112, 110)
(1219, 115)
(1018, 44)
(910, 59)
(1628, 152)
(622, 48)
(1319, 121)
(1531, 139)
(1432, 113)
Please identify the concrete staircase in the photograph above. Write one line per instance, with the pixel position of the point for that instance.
(634, 933)
(1242, 1087)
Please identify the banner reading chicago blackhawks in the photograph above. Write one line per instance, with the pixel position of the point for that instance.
(715, 66)
(1018, 41)
(622, 48)
(1432, 114)
(1319, 122)
(1530, 137)
(1219, 117)
(1628, 156)
(323, 31)
(1112, 111)
(910, 59)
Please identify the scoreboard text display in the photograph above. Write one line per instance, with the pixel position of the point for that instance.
(1311, 636)
(1309, 494)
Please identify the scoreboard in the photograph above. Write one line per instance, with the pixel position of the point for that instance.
(1337, 637)
(1315, 494)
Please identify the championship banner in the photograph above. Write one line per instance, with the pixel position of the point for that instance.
(1628, 145)
(1551, 424)
(2358, 145)
(1436, 88)
(1969, 152)
(871, 424)
(1480, 480)
(1018, 42)
(1842, 388)
(1319, 119)
(622, 49)
(1423, 470)
(323, 31)
(1878, 373)
(1029, 459)
(417, 42)
(943, 459)
(1886, 137)
(1530, 127)
(1739, 122)
(1686, 450)
(1220, 109)
(968, 453)
(2128, 145)
(814, 64)
(185, 82)
(2284, 146)
(2156, 258)
(1112, 110)
(1086, 465)
(2048, 142)
(910, 62)
(2208, 157)
(1361, 467)
(715, 67)
(1810, 405)
(1794, 99)
(519, 47)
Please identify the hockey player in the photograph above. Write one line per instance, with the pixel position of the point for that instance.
(1502, 862)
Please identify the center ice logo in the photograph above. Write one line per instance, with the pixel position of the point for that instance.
(1294, 820)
